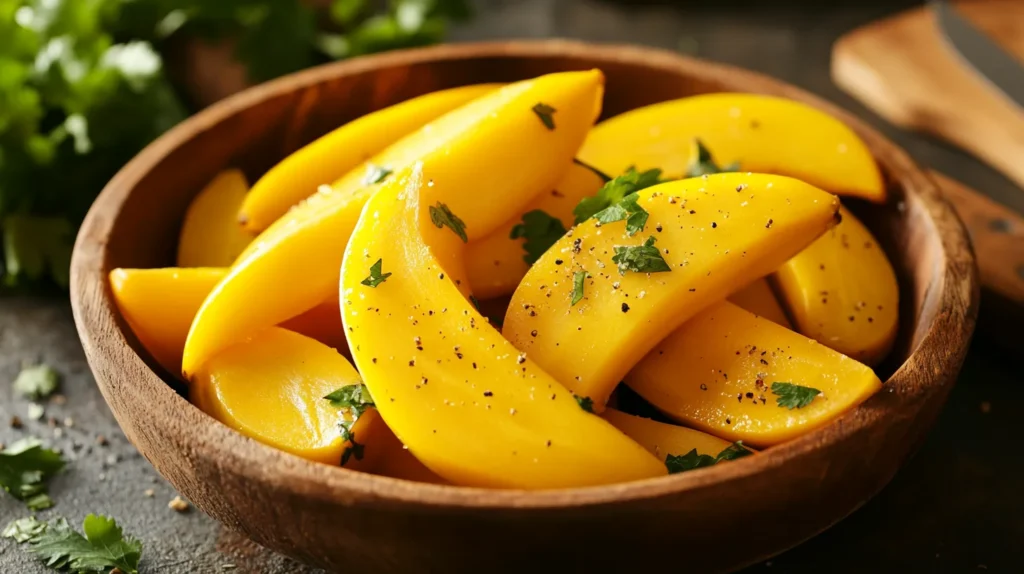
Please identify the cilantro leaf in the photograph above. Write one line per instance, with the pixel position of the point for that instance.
(23, 529)
(375, 174)
(103, 548)
(38, 382)
(701, 162)
(640, 258)
(692, 460)
(24, 468)
(441, 216)
(628, 209)
(586, 403)
(546, 114)
(578, 279)
(793, 396)
(615, 190)
(376, 277)
(540, 230)
(353, 400)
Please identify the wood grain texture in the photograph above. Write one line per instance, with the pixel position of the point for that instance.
(902, 68)
(344, 520)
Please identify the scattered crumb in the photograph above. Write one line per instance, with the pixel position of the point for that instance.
(16, 422)
(69, 422)
(35, 412)
(59, 400)
(149, 492)
(228, 566)
(986, 407)
(102, 440)
(178, 505)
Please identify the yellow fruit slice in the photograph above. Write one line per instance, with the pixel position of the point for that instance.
(758, 298)
(764, 134)
(342, 150)
(494, 147)
(842, 292)
(662, 439)
(466, 403)
(271, 388)
(713, 235)
(716, 372)
(211, 236)
(495, 264)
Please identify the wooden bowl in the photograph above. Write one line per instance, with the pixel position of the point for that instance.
(716, 519)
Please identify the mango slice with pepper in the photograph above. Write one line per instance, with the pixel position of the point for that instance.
(497, 146)
(606, 294)
(842, 292)
(210, 236)
(758, 298)
(468, 405)
(762, 134)
(346, 148)
(495, 264)
(742, 377)
(271, 387)
(662, 439)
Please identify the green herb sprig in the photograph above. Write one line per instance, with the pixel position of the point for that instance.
(353, 400)
(540, 230)
(692, 460)
(25, 466)
(640, 258)
(794, 396)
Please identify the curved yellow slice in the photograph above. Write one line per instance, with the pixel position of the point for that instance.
(397, 462)
(662, 439)
(715, 234)
(495, 264)
(715, 373)
(271, 388)
(842, 292)
(764, 134)
(211, 236)
(494, 147)
(322, 161)
(460, 396)
(758, 298)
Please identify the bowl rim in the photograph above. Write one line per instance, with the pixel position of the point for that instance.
(95, 312)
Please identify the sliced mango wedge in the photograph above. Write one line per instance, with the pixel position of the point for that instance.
(842, 292)
(716, 373)
(468, 405)
(495, 264)
(346, 148)
(271, 388)
(496, 146)
(210, 235)
(703, 238)
(662, 439)
(758, 298)
(763, 134)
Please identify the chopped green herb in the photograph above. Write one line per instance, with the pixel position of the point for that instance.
(546, 115)
(701, 162)
(793, 396)
(103, 548)
(604, 176)
(692, 460)
(376, 277)
(376, 174)
(441, 216)
(36, 383)
(353, 400)
(24, 468)
(640, 258)
(586, 403)
(628, 209)
(578, 279)
(615, 190)
(540, 230)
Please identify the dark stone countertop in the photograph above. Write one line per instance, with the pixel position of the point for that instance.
(957, 506)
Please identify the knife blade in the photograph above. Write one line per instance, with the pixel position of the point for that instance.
(985, 56)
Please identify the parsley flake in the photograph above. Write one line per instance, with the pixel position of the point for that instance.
(353, 400)
(701, 162)
(692, 460)
(376, 277)
(640, 258)
(37, 382)
(376, 174)
(441, 216)
(615, 191)
(23, 529)
(540, 230)
(586, 403)
(793, 396)
(104, 547)
(24, 468)
(546, 114)
(628, 209)
(578, 279)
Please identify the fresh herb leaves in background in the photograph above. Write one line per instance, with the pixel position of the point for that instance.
(83, 89)
(36, 382)
(640, 258)
(441, 216)
(692, 460)
(628, 209)
(25, 466)
(793, 396)
(615, 190)
(376, 277)
(540, 230)
(353, 400)
(103, 548)
(701, 162)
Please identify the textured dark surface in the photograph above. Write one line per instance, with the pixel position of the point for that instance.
(956, 507)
